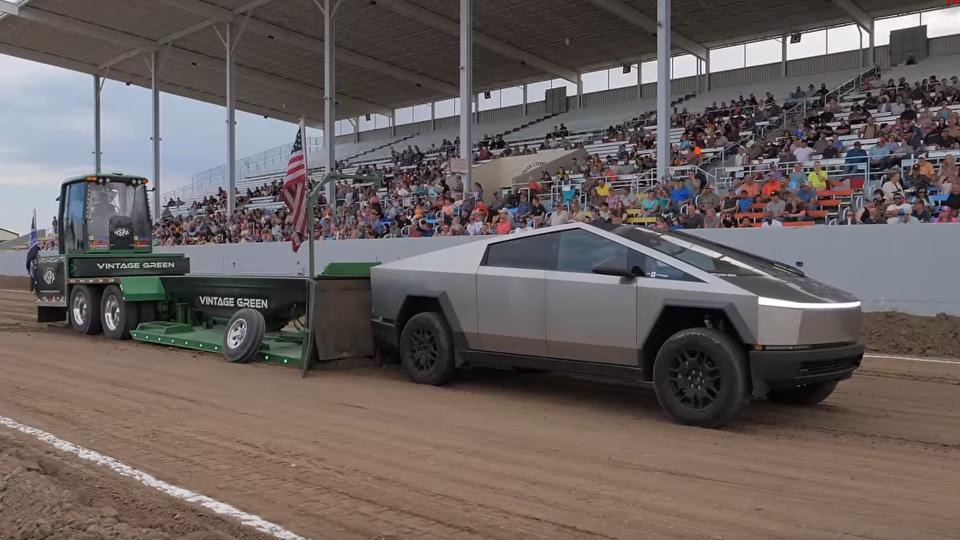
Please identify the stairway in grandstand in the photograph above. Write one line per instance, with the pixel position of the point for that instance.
(351, 159)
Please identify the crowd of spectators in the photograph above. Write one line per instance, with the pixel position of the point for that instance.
(418, 197)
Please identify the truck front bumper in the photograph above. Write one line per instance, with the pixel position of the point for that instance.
(789, 368)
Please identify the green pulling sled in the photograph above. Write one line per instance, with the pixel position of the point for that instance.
(106, 279)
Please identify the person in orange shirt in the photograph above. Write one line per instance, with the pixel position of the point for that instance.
(750, 186)
(771, 186)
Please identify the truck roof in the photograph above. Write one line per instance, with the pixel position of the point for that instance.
(106, 176)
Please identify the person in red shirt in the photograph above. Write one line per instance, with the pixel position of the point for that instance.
(503, 222)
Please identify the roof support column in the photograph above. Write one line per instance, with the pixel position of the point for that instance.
(155, 138)
(783, 55)
(579, 91)
(433, 116)
(229, 42)
(329, 99)
(664, 150)
(525, 96)
(97, 154)
(706, 73)
(871, 56)
(466, 89)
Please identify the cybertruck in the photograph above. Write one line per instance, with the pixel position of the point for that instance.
(710, 327)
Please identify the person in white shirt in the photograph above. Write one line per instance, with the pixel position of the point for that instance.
(475, 227)
(803, 152)
(560, 216)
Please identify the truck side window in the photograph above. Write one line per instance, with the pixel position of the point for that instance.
(656, 269)
(534, 252)
(579, 251)
(74, 219)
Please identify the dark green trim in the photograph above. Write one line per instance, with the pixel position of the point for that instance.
(142, 289)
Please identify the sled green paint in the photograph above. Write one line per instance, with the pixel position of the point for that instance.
(142, 289)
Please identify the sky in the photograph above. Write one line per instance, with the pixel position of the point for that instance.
(46, 119)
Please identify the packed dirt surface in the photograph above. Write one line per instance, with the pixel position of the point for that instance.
(45, 493)
(899, 333)
(355, 451)
(15, 283)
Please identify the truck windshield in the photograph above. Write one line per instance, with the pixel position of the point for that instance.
(704, 254)
(104, 201)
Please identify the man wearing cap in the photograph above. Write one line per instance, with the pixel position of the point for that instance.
(708, 199)
(900, 211)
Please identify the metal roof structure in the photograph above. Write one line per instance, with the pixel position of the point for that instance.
(389, 53)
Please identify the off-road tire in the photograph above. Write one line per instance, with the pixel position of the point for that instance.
(84, 310)
(807, 395)
(701, 378)
(426, 349)
(117, 318)
(243, 336)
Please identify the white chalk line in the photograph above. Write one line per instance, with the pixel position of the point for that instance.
(215, 506)
(912, 359)
(15, 290)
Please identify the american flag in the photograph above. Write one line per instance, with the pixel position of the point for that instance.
(294, 192)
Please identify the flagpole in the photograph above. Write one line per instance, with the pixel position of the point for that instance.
(306, 200)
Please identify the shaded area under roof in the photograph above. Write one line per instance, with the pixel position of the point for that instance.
(390, 53)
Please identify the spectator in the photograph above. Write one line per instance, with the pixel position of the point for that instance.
(503, 223)
(775, 207)
(708, 199)
(710, 218)
(946, 215)
(818, 177)
(848, 218)
(953, 200)
(807, 194)
(559, 216)
(797, 177)
(892, 186)
(680, 194)
(537, 212)
(899, 208)
(856, 159)
(651, 204)
(921, 212)
(803, 152)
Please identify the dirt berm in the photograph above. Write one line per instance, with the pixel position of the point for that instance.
(888, 332)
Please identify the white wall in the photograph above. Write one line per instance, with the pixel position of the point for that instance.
(907, 268)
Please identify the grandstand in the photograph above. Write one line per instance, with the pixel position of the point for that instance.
(596, 141)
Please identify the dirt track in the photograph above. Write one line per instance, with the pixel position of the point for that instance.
(355, 451)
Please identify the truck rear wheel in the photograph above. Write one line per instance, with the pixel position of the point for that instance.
(808, 394)
(85, 309)
(244, 336)
(426, 349)
(701, 378)
(117, 317)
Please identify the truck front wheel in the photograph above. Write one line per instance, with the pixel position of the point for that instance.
(426, 349)
(117, 317)
(808, 394)
(701, 377)
(85, 309)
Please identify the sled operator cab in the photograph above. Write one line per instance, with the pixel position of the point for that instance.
(106, 213)
(104, 233)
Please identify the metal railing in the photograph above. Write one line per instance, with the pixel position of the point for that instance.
(271, 160)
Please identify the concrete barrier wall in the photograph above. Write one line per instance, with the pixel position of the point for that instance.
(904, 268)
